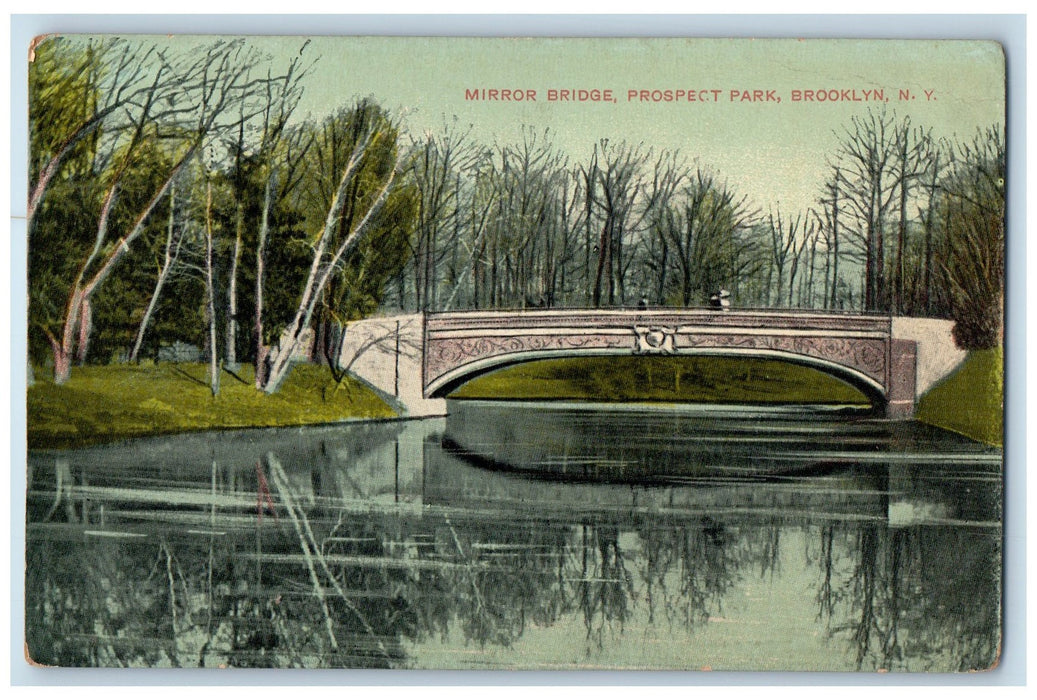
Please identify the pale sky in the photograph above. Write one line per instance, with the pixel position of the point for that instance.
(774, 152)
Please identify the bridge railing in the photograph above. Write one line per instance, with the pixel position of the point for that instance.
(615, 317)
(661, 308)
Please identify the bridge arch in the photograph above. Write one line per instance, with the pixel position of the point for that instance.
(448, 382)
(419, 358)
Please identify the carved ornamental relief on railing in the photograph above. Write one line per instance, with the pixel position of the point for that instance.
(445, 354)
(867, 355)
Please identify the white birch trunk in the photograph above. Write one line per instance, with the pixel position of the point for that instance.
(232, 293)
(210, 294)
(323, 268)
(262, 351)
(172, 252)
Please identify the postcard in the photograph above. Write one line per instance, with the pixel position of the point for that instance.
(472, 353)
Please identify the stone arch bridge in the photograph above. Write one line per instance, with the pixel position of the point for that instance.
(418, 359)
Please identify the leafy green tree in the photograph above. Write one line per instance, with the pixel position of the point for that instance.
(181, 103)
(76, 90)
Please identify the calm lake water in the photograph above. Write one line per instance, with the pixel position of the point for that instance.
(517, 535)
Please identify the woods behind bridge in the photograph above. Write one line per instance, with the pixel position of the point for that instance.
(179, 197)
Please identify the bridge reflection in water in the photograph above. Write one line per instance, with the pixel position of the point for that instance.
(373, 546)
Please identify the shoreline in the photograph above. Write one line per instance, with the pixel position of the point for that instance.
(103, 405)
(123, 441)
(128, 398)
(969, 401)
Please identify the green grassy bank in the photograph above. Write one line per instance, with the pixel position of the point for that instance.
(663, 379)
(102, 404)
(971, 400)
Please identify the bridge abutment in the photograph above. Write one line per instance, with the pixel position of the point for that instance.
(388, 355)
(903, 360)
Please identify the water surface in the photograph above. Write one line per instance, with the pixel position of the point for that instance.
(524, 536)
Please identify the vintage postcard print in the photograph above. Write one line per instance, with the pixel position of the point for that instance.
(515, 353)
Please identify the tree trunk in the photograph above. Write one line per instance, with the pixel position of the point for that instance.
(210, 295)
(604, 246)
(494, 296)
(793, 269)
(169, 258)
(810, 277)
(62, 362)
(835, 241)
(323, 267)
(90, 126)
(232, 291)
(588, 232)
(928, 261)
(611, 261)
(62, 365)
(79, 296)
(477, 278)
(86, 325)
(262, 350)
(881, 292)
(661, 290)
(898, 282)
(152, 303)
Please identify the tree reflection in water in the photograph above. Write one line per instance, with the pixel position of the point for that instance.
(199, 571)
(922, 598)
(689, 570)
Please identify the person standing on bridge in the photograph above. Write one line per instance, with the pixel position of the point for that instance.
(721, 300)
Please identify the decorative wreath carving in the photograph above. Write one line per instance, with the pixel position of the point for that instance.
(654, 340)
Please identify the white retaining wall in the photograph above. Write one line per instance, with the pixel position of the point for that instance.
(371, 346)
(938, 356)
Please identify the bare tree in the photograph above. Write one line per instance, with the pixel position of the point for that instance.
(512, 214)
(830, 204)
(913, 154)
(815, 237)
(867, 165)
(933, 174)
(701, 232)
(800, 231)
(530, 175)
(480, 199)
(332, 243)
(175, 241)
(209, 84)
(670, 172)
(562, 252)
(113, 76)
(439, 160)
(618, 183)
(784, 231)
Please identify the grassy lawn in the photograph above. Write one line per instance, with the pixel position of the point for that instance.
(971, 400)
(106, 403)
(666, 379)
